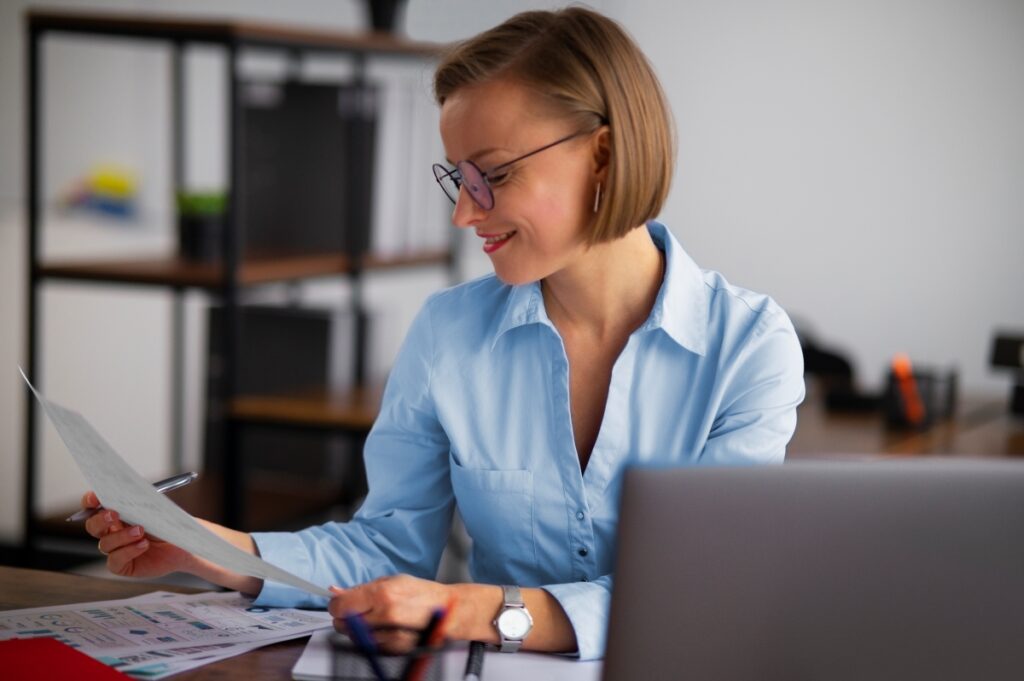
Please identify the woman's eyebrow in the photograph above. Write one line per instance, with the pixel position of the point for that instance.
(477, 155)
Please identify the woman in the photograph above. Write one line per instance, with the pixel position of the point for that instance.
(519, 398)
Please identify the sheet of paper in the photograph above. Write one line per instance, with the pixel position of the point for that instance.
(156, 665)
(119, 487)
(315, 664)
(159, 669)
(138, 630)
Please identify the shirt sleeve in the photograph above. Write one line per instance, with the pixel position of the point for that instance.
(761, 389)
(586, 605)
(404, 522)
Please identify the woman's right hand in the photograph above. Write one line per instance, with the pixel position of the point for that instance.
(129, 550)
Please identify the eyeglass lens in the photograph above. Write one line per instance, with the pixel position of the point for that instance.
(465, 173)
(449, 181)
(476, 185)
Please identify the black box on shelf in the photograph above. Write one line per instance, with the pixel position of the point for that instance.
(308, 159)
(282, 350)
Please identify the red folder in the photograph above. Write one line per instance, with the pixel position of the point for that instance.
(47, 659)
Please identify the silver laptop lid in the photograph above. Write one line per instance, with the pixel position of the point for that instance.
(859, 571)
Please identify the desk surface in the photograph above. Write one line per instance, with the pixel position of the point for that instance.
(980, 428)
(21, 588)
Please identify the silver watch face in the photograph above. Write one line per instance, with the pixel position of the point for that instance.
(514, 623)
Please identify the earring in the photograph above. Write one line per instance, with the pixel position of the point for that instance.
(597, 197)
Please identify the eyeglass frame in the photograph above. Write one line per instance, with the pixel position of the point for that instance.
(441, 172)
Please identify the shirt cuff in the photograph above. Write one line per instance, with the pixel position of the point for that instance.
(286, 551)
(586, 605)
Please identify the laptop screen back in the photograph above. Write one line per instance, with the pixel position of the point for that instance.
(820, 571)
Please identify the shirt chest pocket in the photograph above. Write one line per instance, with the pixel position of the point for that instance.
(497, 508)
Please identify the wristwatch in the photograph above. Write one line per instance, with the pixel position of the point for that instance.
(513, 621)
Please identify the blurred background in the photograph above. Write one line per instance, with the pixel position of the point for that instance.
(861, 162)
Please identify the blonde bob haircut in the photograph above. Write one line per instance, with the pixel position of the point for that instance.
(589, 70)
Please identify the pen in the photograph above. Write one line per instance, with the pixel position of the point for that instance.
(365, 642)
(163, 486)
(474, 662)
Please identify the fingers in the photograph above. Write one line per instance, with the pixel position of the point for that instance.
(103, 523)
(120, 561)
(112, 541)
(399, 601)
(390, 639)
(396, 641)
(90, 500)
(346, 601)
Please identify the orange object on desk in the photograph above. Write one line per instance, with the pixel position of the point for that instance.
(913, 407)
(47, 659)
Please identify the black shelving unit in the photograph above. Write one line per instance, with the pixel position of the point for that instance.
(351, 414)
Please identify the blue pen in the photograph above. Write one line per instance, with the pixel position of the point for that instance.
(365, 642)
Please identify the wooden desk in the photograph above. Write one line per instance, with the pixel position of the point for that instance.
(21, 588)
(980, 428)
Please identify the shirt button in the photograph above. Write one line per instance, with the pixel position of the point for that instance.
(583, 551)
(580, 515)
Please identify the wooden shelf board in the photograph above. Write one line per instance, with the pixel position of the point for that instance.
(382, 262)
(177, 271)
(353, 411)
(273, 501)
(170, 27)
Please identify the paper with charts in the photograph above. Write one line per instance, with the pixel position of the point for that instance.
(160, 633)
(118, 486)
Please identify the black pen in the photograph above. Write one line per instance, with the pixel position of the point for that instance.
(163, 486)
(474, 662)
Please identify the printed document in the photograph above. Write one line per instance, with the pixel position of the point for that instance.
(119, 487)
(160, 633)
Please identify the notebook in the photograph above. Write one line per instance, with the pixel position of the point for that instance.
(47, 659)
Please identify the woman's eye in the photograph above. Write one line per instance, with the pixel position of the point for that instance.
(497, 179)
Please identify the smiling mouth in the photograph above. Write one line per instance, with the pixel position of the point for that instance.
(491, 240)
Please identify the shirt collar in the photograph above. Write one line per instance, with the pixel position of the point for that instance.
(680, 310)
(524, 305)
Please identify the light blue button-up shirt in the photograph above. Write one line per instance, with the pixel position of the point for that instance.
(476, 415)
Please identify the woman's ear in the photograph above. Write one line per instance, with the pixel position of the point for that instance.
(601, 145)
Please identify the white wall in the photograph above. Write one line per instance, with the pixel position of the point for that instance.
(863, 162)
(860, 161)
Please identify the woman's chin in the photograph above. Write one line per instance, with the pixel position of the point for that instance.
(514, 278)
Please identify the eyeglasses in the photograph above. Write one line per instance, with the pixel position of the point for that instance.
(478, 182)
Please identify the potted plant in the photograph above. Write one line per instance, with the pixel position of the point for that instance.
(201, 225)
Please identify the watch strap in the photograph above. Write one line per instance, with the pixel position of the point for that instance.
(513, 598)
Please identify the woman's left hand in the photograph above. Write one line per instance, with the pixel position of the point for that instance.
(396, 607)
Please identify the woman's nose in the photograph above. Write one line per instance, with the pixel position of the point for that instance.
(467, 212)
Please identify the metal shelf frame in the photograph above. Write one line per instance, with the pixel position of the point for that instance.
(227, 282)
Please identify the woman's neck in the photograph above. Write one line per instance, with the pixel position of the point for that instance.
(610, 290)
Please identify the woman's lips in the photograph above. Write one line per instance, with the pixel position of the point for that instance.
(495, 241)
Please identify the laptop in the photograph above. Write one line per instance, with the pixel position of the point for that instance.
(820, 571)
